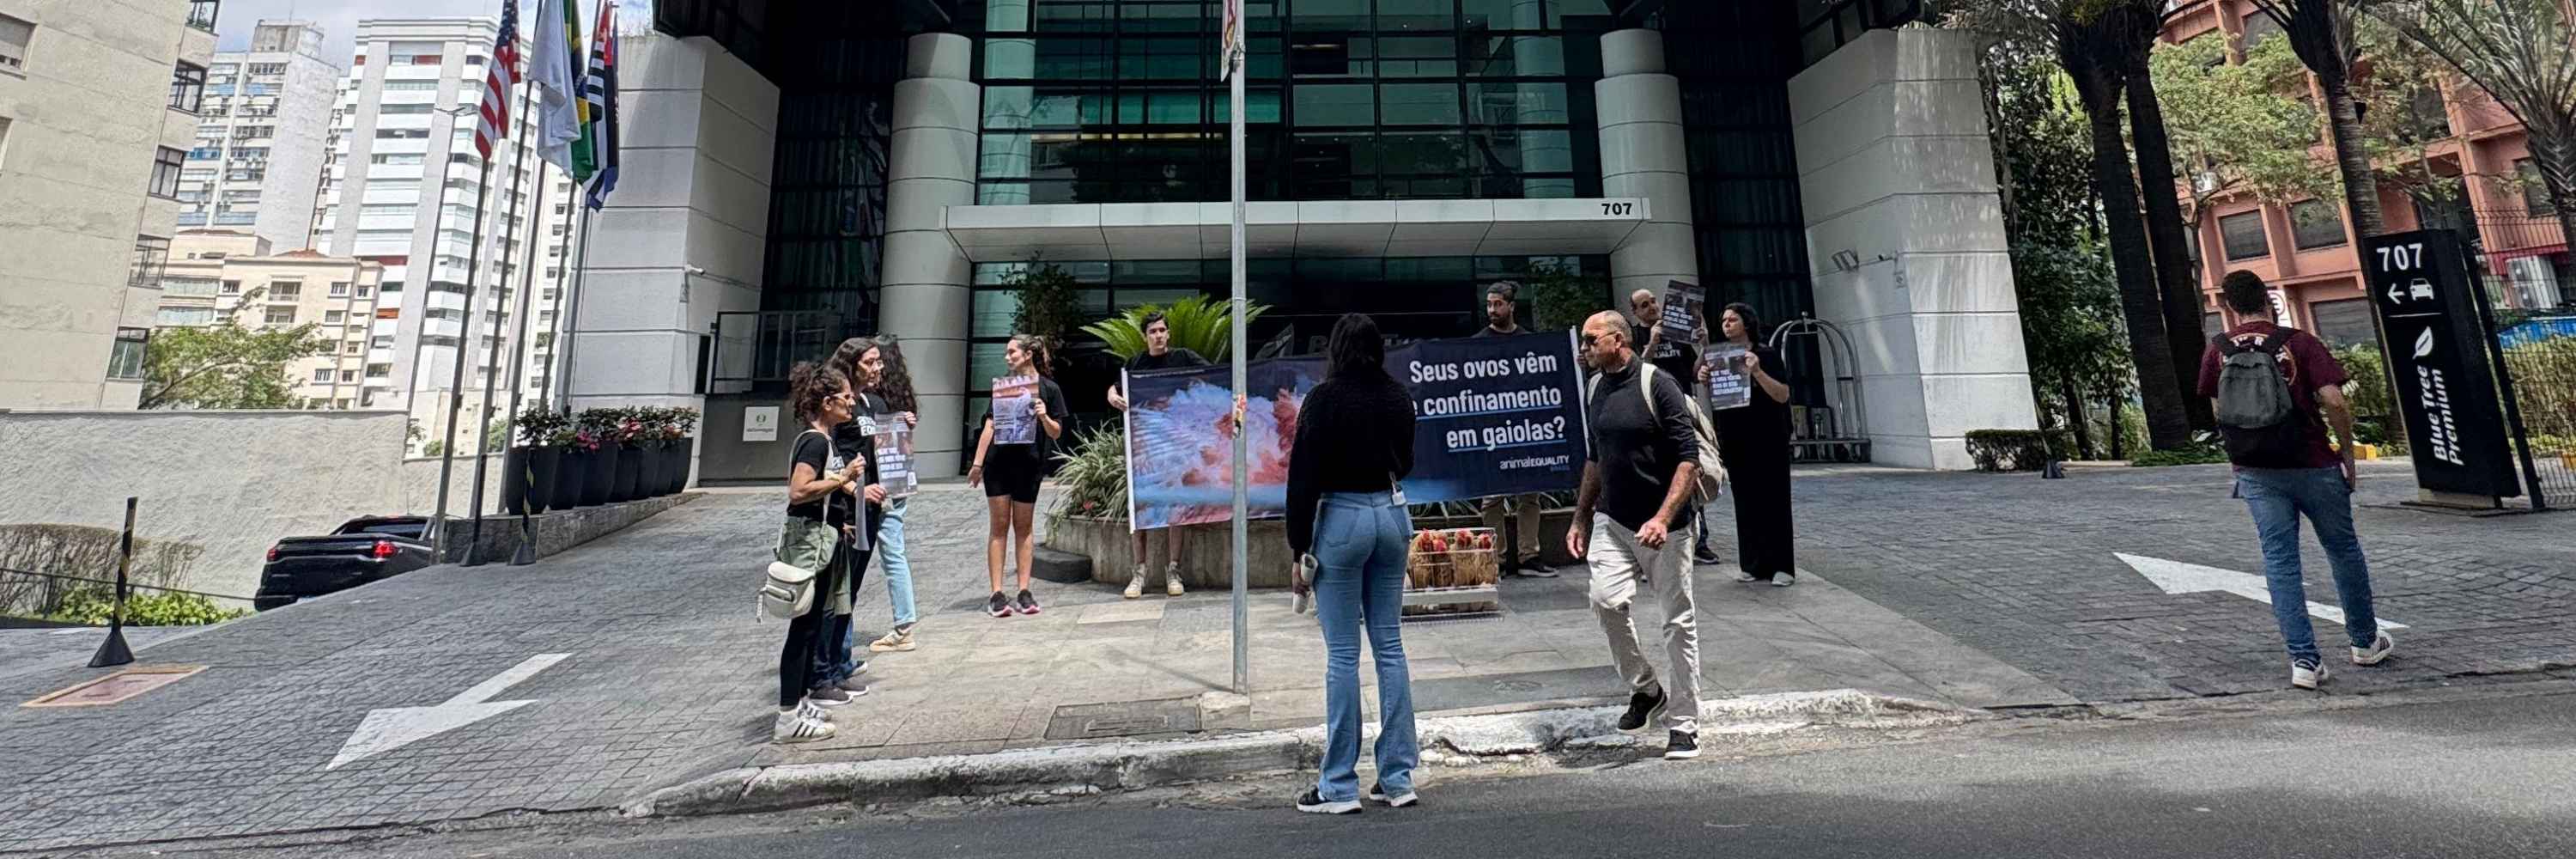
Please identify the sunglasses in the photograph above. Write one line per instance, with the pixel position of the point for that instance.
(1590, 339)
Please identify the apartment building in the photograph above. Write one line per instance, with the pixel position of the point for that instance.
(257, 163)
(2306, 250)
(217, 275)
(99, 105)
(402, 186)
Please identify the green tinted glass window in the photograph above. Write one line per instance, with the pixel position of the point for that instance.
(1419, 104)
(1336, 104)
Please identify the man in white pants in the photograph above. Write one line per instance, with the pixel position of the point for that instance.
(1633, 526)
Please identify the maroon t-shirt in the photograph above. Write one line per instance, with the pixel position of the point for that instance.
(2305, 363)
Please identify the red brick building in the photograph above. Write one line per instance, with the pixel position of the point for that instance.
(2310, 259)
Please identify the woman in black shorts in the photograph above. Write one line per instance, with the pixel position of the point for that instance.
(1010, 470)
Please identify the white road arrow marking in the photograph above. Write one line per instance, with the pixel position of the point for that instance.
(2176, 577)
(394, 727)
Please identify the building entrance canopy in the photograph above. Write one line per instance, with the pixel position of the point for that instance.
(1337, 228)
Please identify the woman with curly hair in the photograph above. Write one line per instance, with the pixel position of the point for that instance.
(817, 537)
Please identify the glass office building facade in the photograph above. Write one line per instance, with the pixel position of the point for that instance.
(908, 188)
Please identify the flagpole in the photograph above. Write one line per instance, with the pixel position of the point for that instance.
(465, 330)
(564, 320)
(563, 284)
(1242, 445)
(492, 359)
(527, 551)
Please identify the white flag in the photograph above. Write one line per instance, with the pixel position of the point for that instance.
(551, 68)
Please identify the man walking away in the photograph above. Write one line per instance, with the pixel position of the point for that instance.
(1158, 355)
(1502, 311)
(1633, 525)
(2268, 382)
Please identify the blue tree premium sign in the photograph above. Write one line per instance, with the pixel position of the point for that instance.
(2437, 353)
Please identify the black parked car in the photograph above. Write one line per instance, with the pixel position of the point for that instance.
(363, 550)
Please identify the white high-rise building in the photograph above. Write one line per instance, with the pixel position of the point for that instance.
(402, 187)
(98, 105)
(260, 146)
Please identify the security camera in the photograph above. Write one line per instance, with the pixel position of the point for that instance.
(693, 270)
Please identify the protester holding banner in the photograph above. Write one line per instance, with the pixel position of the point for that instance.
(817, 477)
(1753, 442)
(1158, 355)
(1633, 523)
(1502, 319)
(1011, 461)
(889, 388)
(1353, 447)
(1648, 337)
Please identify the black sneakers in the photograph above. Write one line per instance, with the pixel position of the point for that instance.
(1682, 747)
(1377, 793)
(1027, 603)
(998, 606)
(1312, 802)
(1642, 710)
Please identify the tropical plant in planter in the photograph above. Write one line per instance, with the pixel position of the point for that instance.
(677, 425)
(1093, 478)
(626, 433)
(1199, 324)
(530, 466)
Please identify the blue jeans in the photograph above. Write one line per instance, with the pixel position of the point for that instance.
(2278, 497)
(898, 572)
(1360, 543)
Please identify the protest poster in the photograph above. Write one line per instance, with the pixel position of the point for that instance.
(1682, 306)
(1180, 434)
(894, 455)
(1730, 378)
(1493, 416)
(1015, 419)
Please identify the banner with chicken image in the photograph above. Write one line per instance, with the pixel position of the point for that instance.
(1180, 440)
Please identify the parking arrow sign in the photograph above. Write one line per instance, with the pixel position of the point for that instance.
(394, 727)
(2176, 577)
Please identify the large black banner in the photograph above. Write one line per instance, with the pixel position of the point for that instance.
(2437, 352)
(1493, 415)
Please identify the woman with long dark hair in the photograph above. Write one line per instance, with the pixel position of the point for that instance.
(815, 538)
(1010, 471)
(891, 384)
(1753, 443)
(1354, 443)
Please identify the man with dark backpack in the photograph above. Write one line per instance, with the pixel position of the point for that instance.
(2268, 383)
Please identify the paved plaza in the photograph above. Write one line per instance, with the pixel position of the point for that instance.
(635, 662)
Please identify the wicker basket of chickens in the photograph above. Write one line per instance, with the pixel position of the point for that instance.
(1458, 558)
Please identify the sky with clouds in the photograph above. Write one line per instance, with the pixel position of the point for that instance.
(339, 18)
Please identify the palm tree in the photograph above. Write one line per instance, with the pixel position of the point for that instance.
(2320, 31)
(2093, 52)
(2136, 23)
(2519, 52)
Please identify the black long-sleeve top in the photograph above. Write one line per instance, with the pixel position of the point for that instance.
(1354, 434)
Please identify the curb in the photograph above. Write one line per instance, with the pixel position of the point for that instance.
(1085, 770)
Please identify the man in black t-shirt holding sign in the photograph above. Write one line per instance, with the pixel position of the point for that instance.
(1158, 355)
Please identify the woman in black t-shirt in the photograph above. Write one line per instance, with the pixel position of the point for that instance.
(812, 539)
(1010, 470)
(1753, 443)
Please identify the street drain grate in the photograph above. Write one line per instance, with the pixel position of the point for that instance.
(1124, 719)
(117, 687)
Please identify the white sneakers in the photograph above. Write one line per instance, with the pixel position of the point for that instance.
(2306, 676)
(2378, 651)
(803, 723)
(1171, 582)
(896, 641)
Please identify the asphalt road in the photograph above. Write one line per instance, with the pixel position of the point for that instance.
(2462, 778)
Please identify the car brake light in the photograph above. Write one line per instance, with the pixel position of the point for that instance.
(272, 553)
(384, 549)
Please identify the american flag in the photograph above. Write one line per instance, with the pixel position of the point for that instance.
(497, 83)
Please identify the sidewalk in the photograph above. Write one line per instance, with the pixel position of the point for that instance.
(633, 663)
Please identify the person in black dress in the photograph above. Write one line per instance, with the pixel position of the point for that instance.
(1753, 443)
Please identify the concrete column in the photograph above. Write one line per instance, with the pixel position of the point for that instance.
(1642, 155)
(1896, 175)
(925, 298)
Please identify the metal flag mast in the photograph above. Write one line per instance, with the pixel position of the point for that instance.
(465, 332)
(492, 358)
(1232, 50)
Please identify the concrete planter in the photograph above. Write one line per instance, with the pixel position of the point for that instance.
(1206, 561)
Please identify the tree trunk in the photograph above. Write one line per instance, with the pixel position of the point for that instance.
(2352, 158)
(2553, 154)
(2141, 305)
(2118, 435)
(2075, 416)
(2177, 279)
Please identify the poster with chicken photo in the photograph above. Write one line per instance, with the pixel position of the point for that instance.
(1180, 438)
(1015, 419)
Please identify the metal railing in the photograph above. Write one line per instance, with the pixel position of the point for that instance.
(2530, 313)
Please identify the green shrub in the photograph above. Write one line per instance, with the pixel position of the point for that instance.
(2544, 384)
(2179, 456)
(96, 605)
(1094, 475)
(2016, 450)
